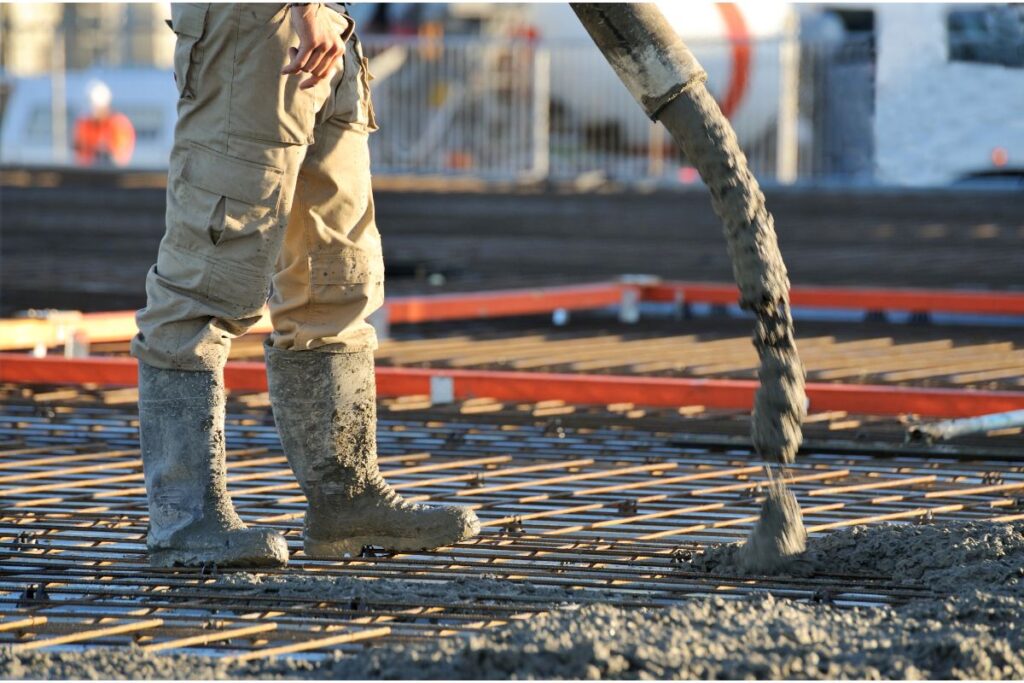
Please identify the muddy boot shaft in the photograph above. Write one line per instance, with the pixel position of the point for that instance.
(191, 519)
(325, 406)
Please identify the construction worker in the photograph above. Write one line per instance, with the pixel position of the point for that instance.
(103, 136)
(270, 183)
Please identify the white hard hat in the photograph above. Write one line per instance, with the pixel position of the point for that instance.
(99, 94)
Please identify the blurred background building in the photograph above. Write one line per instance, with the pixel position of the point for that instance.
(41, 36)
(851, 93)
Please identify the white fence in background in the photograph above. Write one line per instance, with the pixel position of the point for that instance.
(514, 111)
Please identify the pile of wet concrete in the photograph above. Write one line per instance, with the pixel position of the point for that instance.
(972, 627)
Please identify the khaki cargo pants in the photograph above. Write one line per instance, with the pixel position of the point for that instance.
(268, 184)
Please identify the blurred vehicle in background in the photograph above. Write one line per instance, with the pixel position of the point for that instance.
(949, 92)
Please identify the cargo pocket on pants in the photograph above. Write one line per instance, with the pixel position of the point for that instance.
(242, 228)
(354, 276)
(353, 106)
(371, 117)
(188, 21)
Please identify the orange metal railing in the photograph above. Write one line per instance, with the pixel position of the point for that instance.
(571, 388)
(29, 333)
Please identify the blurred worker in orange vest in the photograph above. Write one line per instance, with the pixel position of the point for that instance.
(103, 137)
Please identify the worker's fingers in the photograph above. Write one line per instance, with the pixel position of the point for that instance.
(315, 62)
(316, 73)
(325, 69)
(340, 53)
(299, 56)
(326, 65)
(311, 81)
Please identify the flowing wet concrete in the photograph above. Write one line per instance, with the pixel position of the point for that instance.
(972, 628)
(946, 558)
(709, 142)
(779, 537)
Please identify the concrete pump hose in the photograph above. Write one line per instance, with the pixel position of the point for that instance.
(668, 82)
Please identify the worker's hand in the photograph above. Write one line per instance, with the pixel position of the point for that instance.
(319, 49)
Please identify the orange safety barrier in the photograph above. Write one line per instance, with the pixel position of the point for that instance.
(119, 326)
(27, 333)
(96, 328)
(502, 303)
(856, 298)
(577, 389)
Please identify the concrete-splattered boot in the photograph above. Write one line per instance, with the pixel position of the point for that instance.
(326, 412)
(191, 519)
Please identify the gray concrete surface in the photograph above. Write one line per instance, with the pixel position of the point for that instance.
(973, 627)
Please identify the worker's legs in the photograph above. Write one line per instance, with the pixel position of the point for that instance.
(242, 134)
(330, 271)
(241, 137)
(320, 357)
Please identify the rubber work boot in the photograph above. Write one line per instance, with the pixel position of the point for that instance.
(191, 519)
(325, 406)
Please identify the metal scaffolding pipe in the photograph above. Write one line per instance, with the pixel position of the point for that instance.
(948, 429)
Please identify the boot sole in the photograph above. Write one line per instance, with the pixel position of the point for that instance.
(273, 553)
(352, 545)
(184, 558)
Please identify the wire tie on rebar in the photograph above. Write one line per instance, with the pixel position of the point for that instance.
(682, 556)
(47, 411)
(214, 624)
(514, 527)
(554, 427)
(992, 479)
(32, 595)
(23, 539)
(627, 507)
